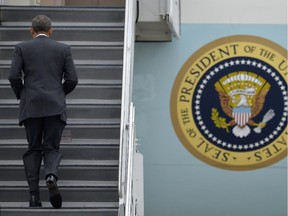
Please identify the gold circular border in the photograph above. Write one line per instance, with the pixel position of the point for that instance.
(177, 84)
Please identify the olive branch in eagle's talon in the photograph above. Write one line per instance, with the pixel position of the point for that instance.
(219, 121)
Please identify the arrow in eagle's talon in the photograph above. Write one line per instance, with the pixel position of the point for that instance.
(267, 117)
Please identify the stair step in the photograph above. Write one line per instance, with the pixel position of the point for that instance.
(61, 212)
(94, 112)
(68, 172)
(79, 53)
(91, 131)
(71, 122)
(63, 24)
(63, 14)
(71, 191)
(97, 170)
(104, 34)
(62, 184)
(75, 43)
(65, 205)
(81, 62)
(76, 108)
(74, 142)
(73, 111)
(99, 82)
(80, 92)
(70, 102)
(67, 163)
(96, 92)
(99, 62)
(100, 170)
(10, 152)
(68, 194)
(81, 82)
(68, 209)
(98, 72)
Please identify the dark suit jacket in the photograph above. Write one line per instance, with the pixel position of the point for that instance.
(44, 64)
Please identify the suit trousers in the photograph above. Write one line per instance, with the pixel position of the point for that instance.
(43, 136)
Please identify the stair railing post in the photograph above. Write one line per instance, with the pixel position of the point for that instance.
(127, 79)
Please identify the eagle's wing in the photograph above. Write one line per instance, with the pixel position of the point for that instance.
(258, 103)
(225, 102)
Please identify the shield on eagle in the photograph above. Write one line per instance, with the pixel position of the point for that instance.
(241, 115)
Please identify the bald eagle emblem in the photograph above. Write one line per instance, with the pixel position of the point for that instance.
(242, 97)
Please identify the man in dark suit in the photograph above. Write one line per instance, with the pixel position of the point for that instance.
(44, 64)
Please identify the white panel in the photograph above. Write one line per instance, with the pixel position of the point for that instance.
(174, 16)
(232, 11)
(138, 183)
(149, 11)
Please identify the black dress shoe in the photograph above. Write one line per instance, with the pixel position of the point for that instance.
(55, 196)
(34, 201)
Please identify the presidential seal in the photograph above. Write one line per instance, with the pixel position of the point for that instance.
(229, 103)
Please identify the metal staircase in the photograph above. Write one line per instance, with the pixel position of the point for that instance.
(90, 144)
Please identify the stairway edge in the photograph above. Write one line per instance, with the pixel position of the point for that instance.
(73, 101)
(66, 163)
(70, 205)
(74, 142)
(82, 62)
(66, 8)
(61, 183)
(68, 24)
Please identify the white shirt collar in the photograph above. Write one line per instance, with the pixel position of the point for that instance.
(41, 35)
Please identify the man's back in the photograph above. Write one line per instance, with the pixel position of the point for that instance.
(44, 63)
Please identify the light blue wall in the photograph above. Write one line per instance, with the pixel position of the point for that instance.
(176, 183)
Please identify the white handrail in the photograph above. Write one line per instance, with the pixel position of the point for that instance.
(129, 210)
(127, 79)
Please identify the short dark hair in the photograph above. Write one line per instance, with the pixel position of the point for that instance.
(41, 23)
